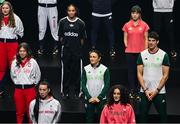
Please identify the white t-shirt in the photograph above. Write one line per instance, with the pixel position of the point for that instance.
(152, 68)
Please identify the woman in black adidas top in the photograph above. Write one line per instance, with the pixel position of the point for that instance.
(71, 35)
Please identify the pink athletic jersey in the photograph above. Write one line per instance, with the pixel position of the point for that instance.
(135, 37)
(118, 113)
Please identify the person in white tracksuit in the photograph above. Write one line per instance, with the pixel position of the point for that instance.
(45, 108)
(47, 11)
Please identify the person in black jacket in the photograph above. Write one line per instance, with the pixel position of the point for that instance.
(71, 35)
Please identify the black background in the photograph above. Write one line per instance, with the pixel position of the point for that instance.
(27, 11)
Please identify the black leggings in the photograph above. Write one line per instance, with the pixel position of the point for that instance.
(71, 78)
(96, 22)
(131, 59)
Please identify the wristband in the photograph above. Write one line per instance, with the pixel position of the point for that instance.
(145, 89)
(158, 89)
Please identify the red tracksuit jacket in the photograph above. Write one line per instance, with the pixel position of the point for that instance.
(118, 113)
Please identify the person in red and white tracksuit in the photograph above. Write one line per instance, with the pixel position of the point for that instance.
(25, 74)
(47, 10)
(11, 28)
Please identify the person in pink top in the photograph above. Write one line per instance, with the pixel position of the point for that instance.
(118, 110)
(135, 41)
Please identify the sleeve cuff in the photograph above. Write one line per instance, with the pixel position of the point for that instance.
(100, 98)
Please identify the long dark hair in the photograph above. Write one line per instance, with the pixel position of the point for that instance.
(28, 50)
(11, 15)
(124, 98)
(36, 106)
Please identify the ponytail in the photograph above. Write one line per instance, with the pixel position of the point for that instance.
(36, 109)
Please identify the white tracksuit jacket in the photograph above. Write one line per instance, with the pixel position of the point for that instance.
(163, 5)
(27, 75)
(49, 111)
(7, 32)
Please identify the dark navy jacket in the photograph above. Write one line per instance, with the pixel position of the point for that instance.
(102, 6)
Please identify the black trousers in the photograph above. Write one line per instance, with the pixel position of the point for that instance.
(96, 22)
(159, 102)
(165, 19)
(42, 44)
(92, 109)
(131, 59)
(6, 79)
(71, 66)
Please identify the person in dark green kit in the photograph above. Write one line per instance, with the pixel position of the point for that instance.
(95, 84)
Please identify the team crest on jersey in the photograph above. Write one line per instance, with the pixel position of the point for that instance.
(124, 109)
(140, 28)
(71, 25)
(157, 58)
(130, 28)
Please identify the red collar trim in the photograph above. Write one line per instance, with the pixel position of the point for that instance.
(6, 20)
(132, 23)
(23, 63)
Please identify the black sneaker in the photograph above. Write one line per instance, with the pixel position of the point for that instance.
(134, 96)
(173, 54)
(131, 95)
(65, 96)
(137, 97)
(55, 51)
(1, 94)
(81, 95)
(76, 96)
(40, 51)
(112, 53)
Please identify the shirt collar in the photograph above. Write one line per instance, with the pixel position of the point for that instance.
(132, 23)
(72, 20)
(24, 63)
(96, 65)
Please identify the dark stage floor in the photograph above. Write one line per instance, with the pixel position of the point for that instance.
(73, 110)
